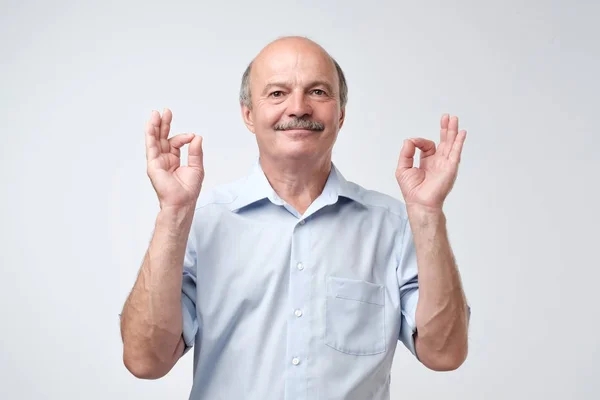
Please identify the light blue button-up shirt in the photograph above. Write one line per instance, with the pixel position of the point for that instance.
(279, 305)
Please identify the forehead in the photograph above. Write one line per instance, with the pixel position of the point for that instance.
(293, 61)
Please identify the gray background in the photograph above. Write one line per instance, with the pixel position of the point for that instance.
(78, 81)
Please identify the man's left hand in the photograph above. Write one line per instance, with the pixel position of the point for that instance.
(429, 184)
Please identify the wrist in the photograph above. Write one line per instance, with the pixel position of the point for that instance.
(419, 215)
(175, 218)
(177, 209)
(420, 209)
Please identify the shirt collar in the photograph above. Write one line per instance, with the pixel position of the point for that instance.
(256, 187)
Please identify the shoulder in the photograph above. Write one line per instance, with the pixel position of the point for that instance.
(219, 196)
(213, 208)
(377, 200)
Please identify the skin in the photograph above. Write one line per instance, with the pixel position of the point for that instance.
(293, 79)
(442, 314)
(151, 321)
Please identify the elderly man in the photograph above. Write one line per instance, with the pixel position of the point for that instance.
(293, 282)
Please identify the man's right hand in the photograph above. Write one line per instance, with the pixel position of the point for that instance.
(177, 186)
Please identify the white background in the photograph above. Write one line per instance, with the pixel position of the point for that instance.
(78, 81)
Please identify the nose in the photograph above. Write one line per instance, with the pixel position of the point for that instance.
(299, 105)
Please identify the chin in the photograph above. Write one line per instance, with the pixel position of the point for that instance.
(300, 134)
(297, 151)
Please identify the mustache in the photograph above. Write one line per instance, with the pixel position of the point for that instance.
(300, 123)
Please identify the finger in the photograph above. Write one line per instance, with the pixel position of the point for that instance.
(196, 154)
(152, 149)
(155, 125)
(444, 127)
(450, 136)
(426, 146)
(178, 141)
(165, 123)
(457, 147)
(407, 154)
(155, 119)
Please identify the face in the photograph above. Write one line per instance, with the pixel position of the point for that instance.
(295, 111)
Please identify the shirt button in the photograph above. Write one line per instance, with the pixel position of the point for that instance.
(298, 313)
(302, 222)
(295, 361)
(300, 266)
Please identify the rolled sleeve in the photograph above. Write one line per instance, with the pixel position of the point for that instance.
(408, 326)
(408, 284)
(188, 309)
(188, 295)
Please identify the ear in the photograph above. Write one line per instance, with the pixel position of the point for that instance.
(342, 117)
(248, 117)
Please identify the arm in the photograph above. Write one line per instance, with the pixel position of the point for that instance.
(442, 312)
(152, 318)
(151, 323)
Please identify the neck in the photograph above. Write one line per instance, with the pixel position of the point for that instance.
(297, 182)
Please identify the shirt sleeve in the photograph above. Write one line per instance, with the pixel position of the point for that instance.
(188, 295)
(408, 283)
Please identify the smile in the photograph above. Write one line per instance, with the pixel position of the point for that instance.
(299, 132)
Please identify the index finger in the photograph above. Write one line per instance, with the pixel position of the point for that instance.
(426, 146)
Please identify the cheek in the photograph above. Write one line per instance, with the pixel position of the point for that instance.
(269, 115)
(329, 115)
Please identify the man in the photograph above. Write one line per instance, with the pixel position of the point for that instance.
(294, 283)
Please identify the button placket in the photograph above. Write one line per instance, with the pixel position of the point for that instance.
(298, 329)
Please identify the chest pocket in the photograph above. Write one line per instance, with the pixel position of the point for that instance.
(355, 316)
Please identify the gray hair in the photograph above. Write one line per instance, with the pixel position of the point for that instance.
(246, 94)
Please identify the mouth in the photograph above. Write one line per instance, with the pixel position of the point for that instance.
(299, 132)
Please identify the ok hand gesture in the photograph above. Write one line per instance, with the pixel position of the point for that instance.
(176, 185)
(429, 184)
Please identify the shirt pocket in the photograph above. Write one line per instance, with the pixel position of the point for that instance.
(355, 316)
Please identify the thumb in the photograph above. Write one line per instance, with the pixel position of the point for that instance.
(406, 159)
(195, 153)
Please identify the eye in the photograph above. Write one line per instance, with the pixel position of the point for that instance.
(319, 92)
(277, 93)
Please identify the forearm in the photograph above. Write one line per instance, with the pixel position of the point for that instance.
(151, 324)
(441, 316)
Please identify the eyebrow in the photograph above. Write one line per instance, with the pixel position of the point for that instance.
(325, 84)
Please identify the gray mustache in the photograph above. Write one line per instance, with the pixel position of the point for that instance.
(300, 124)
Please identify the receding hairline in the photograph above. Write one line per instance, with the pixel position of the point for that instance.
(246, 94)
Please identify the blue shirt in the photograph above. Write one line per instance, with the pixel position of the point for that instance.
(278, 305)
